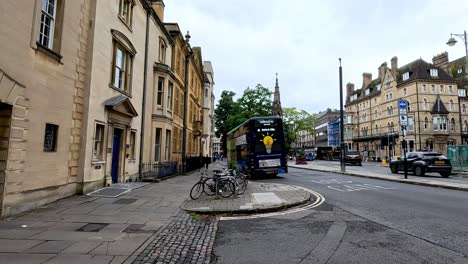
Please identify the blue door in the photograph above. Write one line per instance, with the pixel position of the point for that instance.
(116, 154)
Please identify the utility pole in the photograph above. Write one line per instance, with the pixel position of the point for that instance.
(342, 148)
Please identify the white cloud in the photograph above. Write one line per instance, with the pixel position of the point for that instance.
(248, 41)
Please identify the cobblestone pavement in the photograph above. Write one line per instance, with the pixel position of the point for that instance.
(186, 239)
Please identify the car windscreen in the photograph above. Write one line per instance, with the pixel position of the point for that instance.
(352, 153)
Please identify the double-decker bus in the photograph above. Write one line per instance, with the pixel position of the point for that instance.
(257, 147)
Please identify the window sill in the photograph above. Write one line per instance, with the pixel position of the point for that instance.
(54, 55)
(98, 162)
(125, 23)
(120, 90)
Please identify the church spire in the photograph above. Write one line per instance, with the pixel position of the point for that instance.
(277, 111)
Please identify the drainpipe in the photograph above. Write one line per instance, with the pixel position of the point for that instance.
(184, 128)
(143, 104)
(419, 118)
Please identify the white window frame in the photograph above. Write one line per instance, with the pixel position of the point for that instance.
(434, 73)
(170, 91)
(160, 91)
(410, 123)
(45, 14)
(405, 76)
(98, 146)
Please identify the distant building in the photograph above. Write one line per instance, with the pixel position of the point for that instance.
(305, 139)
(372, 121)
(208, 109)
(277, 110)
(334, 133)
(321, 126)
(216, 145)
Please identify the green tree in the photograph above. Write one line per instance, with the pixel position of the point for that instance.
(297, 120)
(222, 113)
(254, 102)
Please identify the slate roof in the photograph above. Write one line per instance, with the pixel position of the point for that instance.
(115, 100)
(439, 107)
(420, 70)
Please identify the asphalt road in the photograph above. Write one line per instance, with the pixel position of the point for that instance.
(362, 221)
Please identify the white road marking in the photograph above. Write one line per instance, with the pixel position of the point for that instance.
(318, 201)
(357, 187)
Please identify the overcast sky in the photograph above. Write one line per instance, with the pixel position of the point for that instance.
(248, 41)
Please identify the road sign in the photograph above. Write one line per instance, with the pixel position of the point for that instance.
(402, 104)
(403, 120)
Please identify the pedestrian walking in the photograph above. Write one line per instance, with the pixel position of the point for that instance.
(207, 161)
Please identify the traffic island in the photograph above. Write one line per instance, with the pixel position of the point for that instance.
(258, 198)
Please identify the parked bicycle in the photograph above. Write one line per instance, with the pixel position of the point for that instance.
(223, 186)
(238, 178)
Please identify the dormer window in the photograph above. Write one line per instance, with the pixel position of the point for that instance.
(367, 92)
(405, 76)
(378, 87)
(434, 73)
(460, 70)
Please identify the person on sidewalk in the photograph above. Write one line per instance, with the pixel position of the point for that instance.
(207, 161)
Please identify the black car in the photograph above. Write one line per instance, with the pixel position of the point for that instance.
(421, 162)
(353, 157)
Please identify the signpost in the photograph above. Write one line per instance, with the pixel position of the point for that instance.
(403, 117)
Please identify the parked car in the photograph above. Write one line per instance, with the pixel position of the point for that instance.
(421, 162)
(310, 156)
(353, 157)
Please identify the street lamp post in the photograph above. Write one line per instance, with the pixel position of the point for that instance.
(342, 148)
(452, 41)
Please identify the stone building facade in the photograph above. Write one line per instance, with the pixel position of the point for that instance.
(208, 109)
(43, 74)
(372, 120)
(321, 126)
(77, 102)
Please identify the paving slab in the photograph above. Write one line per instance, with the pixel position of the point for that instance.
(69, 259)
(17, 245)
(50, 247)
(21, 258)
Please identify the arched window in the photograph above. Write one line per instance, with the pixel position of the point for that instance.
(464, 109)
(409, 106)
(376, 129)
(404, 92)
(393, 127)
(451, 105)
(375, 114)
(426, 123)
(391, 110)
(452, 125)
(424, 104)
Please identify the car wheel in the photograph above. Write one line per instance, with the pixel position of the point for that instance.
(394, 169)
(419, 171)
(445, 174)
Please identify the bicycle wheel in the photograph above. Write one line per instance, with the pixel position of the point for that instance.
(210, 186)
(197, 191)
(226, 188)
(241, 184)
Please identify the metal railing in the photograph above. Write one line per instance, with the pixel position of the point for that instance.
(152, 171)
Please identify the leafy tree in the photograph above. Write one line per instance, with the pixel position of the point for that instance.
(222, 113)
(295, 121)
(230, 114)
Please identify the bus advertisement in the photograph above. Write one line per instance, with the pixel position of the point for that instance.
(257, 147)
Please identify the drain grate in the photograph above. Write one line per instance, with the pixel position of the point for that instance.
(92, 227)
(109, 192)
(125, 201)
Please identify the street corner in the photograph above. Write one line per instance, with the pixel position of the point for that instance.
(259, 198)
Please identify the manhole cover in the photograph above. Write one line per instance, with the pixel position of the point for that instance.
(92, 227)
(109, 192)
(125, 201)
(136, 228)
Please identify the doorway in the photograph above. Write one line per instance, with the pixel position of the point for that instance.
(116, 147)
(5, 121)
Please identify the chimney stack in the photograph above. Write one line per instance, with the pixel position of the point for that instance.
(158, 7)
(394, 66)
(442, 61)
(382, 71)
(349, 90)
(366, 79)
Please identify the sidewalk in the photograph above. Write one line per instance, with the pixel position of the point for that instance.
(144, 225)
(376, 171)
